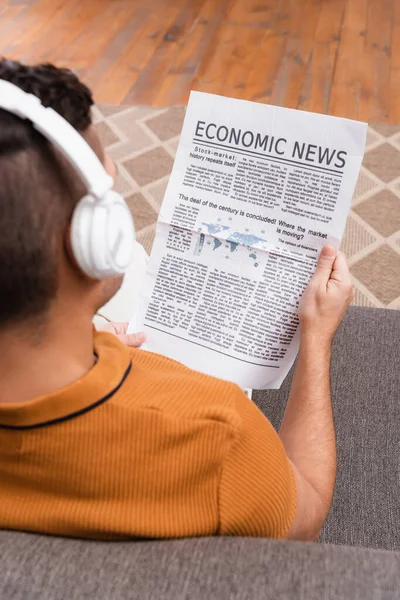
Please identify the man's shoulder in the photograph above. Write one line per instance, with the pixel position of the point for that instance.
(174, 373)
(161, 383)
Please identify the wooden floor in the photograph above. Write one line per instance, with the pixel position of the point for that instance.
(336, 56)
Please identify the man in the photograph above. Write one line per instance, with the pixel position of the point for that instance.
(99, 440)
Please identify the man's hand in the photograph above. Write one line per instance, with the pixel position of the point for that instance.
(327, 297)
(133, 340)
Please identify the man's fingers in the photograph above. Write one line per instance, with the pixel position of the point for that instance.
(119, 328)
(325, 264)
(133, 340)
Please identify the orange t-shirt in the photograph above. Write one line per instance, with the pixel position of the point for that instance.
(142, 446)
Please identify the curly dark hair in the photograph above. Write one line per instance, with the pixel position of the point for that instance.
(58, 88)
(38, 192)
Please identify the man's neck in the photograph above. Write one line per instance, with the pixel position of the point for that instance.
(38, 362)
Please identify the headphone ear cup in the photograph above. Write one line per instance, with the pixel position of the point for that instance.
(81, 234)
(103, 236)
(117, 243)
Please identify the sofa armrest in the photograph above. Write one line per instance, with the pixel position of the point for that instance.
(44, 568)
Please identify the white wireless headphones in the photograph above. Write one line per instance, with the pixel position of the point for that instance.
(102, 229)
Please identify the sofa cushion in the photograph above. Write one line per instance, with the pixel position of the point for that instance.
(366, 404)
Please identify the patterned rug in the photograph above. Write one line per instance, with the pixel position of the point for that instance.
(143, 142)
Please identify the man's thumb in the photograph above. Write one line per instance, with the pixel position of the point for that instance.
(325, 263)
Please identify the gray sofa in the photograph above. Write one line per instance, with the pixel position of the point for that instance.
(358, 556)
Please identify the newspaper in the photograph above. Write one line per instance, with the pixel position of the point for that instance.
(255, 193)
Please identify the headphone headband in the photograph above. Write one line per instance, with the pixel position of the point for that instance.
(60, 133)
(102, 229)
